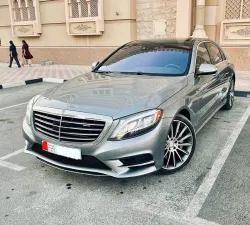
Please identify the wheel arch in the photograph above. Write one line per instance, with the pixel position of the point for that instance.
(234, 77)
(185, 112)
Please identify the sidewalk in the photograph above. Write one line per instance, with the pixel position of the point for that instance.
(67, 72)
(14, 74)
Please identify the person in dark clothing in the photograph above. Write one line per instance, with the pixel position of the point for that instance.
(13, 54)
(26, 52)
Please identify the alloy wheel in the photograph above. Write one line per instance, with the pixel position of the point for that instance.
(179, 145)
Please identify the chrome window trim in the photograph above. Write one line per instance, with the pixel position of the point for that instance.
(203, 42)
(220, 50)
(194, 56)
(75, 114)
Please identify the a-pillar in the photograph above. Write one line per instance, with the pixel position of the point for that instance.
(199, 30)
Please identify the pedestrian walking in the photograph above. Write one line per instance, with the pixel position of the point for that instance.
(13, 55)
(26, 53)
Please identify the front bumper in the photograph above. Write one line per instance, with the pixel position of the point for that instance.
(127, 158)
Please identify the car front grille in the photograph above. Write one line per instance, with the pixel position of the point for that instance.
(68, 129)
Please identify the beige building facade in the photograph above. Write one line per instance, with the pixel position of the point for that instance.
(83, 31)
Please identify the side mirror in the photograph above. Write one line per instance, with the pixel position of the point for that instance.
(95, 64)
(207, 69)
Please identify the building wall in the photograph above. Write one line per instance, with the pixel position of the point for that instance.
(152, 11)
(236, 48)
(211, 24)
(55, 44)
(229, 31)
(127, 20)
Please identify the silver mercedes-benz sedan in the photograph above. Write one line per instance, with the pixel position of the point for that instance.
(136, 112)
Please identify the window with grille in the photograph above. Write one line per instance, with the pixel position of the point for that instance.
(17, 11)
(32, 10)
(237, 9)
(84, 17)
(83, 8)
(25, 18)
(23, 10)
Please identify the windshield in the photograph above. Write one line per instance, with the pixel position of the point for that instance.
(149, 58)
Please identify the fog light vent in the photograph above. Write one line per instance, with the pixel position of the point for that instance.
(136, 160)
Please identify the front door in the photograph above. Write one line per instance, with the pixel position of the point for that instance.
(224, 73)
(209, 87)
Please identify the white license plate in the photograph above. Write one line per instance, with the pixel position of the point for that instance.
(73, 153)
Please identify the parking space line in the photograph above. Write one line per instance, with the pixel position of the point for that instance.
(200, 221)
(11, 166)
(205, 188)
(13, 106)
(169, 215)
(12, 154)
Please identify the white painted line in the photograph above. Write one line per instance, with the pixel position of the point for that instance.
(173, 217)
(53, 80)
(11, 166)
(14, 84)
(202, 193)
(200, 221)
(13, 106)
(11, 154)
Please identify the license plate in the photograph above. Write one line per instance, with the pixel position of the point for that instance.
(73, 153)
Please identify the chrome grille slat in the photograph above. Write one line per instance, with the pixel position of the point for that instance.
(66, 128)
(42, 121)
(75, 128)
(48, 118)
(47, 128)
(49, 134)
(70, 133)
(83, 124)
(79, 139)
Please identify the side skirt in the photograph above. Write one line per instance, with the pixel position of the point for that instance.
(209, 118)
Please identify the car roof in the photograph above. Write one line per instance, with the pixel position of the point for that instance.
(178, 42)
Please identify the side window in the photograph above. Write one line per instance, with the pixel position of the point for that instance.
(215, 53)
(202, 56)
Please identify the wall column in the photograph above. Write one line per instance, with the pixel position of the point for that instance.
(184, 18)
(199, 30)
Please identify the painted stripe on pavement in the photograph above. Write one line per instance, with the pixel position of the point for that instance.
(11, 166)
(13, 106)
(205, 188)
(12, 154)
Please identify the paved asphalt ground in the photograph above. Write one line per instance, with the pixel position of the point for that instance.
(213, 189)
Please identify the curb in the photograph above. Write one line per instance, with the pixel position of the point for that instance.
(245, 94)
(33, 81)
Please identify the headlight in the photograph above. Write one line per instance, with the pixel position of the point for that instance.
(136, 124)
(29, 108)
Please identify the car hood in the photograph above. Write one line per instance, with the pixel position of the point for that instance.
(112, 95)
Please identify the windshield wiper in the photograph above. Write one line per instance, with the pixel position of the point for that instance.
(100, 71)
(108, 72)
(137, 73)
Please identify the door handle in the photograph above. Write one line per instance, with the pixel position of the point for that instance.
(224, 90)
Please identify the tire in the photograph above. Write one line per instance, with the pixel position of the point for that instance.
(230, 96)
(179, 147)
